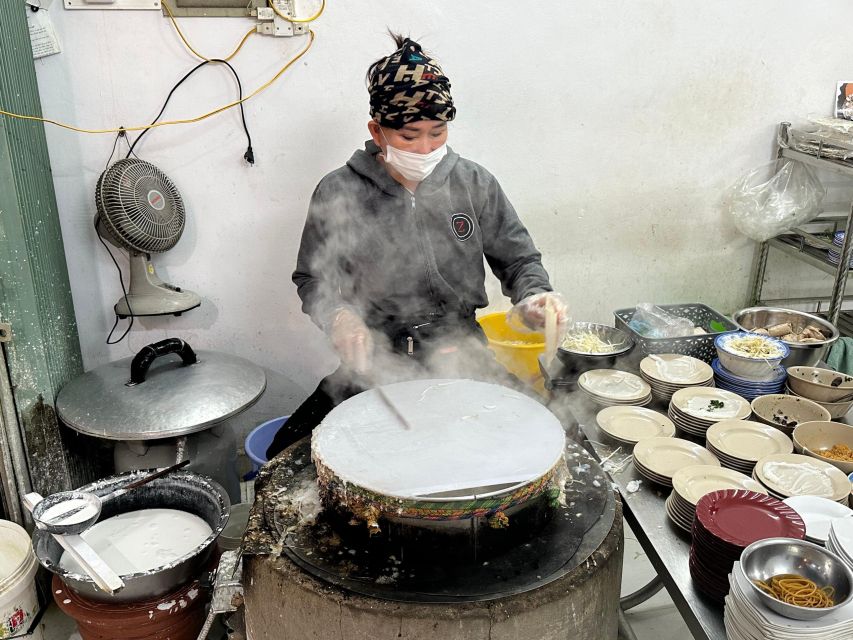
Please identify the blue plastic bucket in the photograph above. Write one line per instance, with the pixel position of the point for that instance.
(259, 440)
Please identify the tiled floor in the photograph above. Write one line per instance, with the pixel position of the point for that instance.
(656, 619)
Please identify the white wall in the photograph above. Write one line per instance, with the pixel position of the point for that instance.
(614, 127)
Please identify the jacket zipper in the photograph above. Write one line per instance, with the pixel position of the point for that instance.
(423, 254)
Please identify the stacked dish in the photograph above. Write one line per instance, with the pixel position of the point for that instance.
(832, 256)
(739, 444)
(629, 425)
(785, 475)
(691, 484)
(818, 514)
(657, 459)
(609, 388)
(831, 390)
(786, 412)
(748, 618)
(726, 523)
(748, 388)
(840, 540)
(695, 409)
(667, 373)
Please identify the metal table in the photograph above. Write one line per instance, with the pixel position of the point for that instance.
(667, 547)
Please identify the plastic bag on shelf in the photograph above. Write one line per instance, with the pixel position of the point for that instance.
(775, 198)
(651, 321)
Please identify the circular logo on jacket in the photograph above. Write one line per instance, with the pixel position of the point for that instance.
(462, 225)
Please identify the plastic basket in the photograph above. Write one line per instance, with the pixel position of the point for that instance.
(701, 346)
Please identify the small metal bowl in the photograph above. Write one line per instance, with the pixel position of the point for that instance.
(579, 361)
(73, 525)
(808, 354)
(767, 558)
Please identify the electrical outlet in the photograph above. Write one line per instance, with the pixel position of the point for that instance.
(285, 27)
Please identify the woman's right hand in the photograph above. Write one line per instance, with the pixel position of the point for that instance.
(351, 339)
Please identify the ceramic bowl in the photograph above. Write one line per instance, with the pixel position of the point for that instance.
(786, 412)
(836, 409)
(822, 385)
(757, 369)
(812, 437)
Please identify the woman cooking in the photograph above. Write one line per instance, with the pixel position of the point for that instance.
(391, 260)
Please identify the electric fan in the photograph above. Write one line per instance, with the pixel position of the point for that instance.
(141, 211)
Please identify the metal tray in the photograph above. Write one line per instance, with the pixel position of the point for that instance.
(701, 346)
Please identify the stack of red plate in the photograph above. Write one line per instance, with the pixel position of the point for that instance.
(726, 523)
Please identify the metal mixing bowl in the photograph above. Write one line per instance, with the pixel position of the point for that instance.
(578, 361)
(180, 490)
(808, 354)
(766, 558)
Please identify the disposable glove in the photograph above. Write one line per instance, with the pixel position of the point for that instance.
(351, 339)
(530, 312)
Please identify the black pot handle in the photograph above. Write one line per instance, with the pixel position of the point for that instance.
(148, 354)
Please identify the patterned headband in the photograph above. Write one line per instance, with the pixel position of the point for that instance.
(408, 86)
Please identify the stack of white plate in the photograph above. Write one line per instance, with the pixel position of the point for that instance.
(666, 373)
(747, 618)
(611, 388)
(832, 256)
(818, 514)
(695, 409)
(740, 444)
(659, 458)
(840, 539)
(790, 474)
(691, 483)
(629, 425)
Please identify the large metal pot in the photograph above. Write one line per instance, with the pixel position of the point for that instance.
(180, 490)
(168, 403)
(807, 355)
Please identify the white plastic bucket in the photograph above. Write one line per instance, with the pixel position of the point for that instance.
(18, 566)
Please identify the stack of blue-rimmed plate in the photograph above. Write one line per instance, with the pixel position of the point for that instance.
(834, 257)
(749, 389)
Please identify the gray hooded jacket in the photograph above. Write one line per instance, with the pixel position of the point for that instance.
(394, 257)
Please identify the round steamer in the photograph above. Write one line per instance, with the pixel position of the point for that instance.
(473, 450)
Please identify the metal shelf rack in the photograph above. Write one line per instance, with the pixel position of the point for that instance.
(810, 248)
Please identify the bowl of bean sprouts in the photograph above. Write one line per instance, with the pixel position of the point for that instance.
(588, 345)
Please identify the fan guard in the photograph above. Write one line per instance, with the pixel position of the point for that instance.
(139, 206)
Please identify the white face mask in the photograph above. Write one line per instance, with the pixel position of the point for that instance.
(413, 166)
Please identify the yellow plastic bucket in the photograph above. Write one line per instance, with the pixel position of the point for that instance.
(517, 351)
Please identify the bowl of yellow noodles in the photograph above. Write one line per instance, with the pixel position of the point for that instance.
(797, 579)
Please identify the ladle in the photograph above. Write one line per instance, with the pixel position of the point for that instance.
(82, 507)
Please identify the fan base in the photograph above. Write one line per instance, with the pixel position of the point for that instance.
(165, 303)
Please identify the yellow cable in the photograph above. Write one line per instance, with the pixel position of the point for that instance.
(190, 47)
(171, 122)
(271, 3)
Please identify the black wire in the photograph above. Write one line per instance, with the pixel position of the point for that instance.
(120, 134)
(124, 290)
(249, 156)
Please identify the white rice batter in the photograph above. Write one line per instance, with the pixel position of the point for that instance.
(142, 540)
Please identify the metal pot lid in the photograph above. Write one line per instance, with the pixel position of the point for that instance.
(140, 399)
